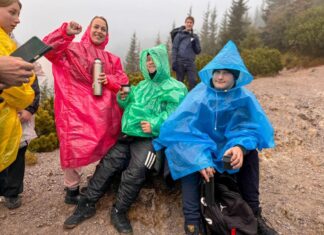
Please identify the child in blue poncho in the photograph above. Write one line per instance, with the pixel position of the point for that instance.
(218, 117)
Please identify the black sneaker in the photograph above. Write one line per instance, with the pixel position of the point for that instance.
(120, 221)
(12, 202)
(264, 226)
(72, 196)
(83, 211)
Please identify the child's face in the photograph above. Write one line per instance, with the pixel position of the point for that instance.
(223, 79)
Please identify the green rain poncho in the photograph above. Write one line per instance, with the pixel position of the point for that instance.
(152, 100)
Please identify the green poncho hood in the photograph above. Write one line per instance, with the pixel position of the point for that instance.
(152, 100)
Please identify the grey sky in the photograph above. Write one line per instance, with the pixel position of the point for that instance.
(146, 17)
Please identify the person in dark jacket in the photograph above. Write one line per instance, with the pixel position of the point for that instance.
(146, 107)
(185, 47)
(12, 178)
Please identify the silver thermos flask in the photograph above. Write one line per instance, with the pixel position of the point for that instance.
(96, 70)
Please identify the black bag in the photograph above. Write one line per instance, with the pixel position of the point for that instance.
(229, 213)
(175, 31)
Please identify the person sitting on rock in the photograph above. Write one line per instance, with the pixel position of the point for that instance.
(146, 107)
(218, 117)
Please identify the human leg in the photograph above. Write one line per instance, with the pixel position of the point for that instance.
(190, 187)
(115, 160)
(14, 180)
(72, 177)
(248, 182)
(131, 183)
(191, 74)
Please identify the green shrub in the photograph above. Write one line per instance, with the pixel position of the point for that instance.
(45, 126)
(44, 143)
(262, 61)
(135, 77)
(202, 61)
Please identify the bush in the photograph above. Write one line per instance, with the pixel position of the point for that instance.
(45, 127)
(135, 77)
(305, 34)
(262, 61)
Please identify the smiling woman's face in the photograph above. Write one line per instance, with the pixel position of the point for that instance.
(9, 17)
(98, 31)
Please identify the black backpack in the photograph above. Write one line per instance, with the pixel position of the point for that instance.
(226, 212)
(175, 31)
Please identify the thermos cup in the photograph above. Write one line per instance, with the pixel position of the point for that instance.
(96, 70)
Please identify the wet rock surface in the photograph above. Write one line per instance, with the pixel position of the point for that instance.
(291, 186)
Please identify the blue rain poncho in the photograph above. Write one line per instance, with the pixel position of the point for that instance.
(208, 122)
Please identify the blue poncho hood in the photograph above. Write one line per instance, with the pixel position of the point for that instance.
(210, 121)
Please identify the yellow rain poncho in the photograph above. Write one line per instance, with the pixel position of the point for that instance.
(15, 99)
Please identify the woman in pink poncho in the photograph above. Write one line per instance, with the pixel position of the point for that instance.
(87, 125)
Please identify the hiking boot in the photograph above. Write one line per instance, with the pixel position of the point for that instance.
(83, 211)
(120, 221)
(72, 196)
(264, 227)
(12, 202)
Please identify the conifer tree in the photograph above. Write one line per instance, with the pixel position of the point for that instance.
(158, 39)
(132, 59)
(237, 22)
(223, 32)
(212, 45)
(204, 34)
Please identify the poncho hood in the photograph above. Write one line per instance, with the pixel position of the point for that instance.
(228, 58)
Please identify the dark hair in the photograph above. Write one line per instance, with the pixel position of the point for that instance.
(234, 72)
(5, 3)
(190, 18)
(98, 17)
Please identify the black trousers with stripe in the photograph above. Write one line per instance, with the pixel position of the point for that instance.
(131, 155)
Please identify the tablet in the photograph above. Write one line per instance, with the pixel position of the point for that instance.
(32, 50)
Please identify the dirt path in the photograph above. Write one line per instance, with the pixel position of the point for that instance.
(292, 176)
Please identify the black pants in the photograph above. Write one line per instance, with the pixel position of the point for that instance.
(247, 180)
(127, 155)
(12, 178)
(188, 68)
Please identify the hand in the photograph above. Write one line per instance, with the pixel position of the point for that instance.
(237, 157)
(207, 173)
(24, 116)
(14, 71)
(103, 78)
(73, 28)
(146, 127)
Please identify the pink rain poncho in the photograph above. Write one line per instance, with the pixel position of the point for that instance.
(87, 125)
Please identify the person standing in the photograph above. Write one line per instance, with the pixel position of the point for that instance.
(87, 125)
(185, 47)
(13, 98)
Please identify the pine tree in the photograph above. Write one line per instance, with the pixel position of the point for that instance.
(212, 45)
(158, 39)
(190, 11)
(237, 22)
(204, 34)
(132, 59)
(223, 32)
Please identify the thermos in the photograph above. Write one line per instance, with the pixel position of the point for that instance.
(96, 70)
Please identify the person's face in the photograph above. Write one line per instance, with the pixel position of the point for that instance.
(9, 17)
(223, 80)
(98, 31)
(189, 24)
(150, 64)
